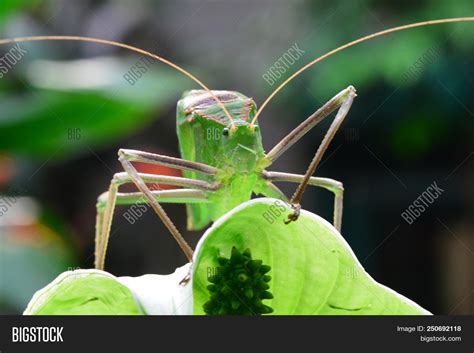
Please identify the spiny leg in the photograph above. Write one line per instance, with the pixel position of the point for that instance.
(340, 116)
(104, 218)
(332, 185)
(178, 163)
(140, 184)
(343, 100)
(125, 158)
(102, 231)
(123, 178)
(297, 133)
(166, 196)
(107, 201)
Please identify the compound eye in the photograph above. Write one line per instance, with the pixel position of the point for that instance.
(225, 132)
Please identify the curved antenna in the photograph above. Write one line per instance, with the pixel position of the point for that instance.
(125, 46)
(350, 44)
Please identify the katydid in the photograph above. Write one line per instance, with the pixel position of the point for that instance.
(224, 162)
(223, 159)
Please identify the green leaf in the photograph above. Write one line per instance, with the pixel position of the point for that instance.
(84, 292)
(313, 269)
(94, 292)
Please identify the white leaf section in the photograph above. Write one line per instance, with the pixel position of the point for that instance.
(162, 294)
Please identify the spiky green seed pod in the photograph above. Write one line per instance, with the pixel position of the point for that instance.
(254, 265)
(211, 288)
(248, 292)
(222, 261)
(239, 285)
(264, 269)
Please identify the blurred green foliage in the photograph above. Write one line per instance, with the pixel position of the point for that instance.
(58, 120)
(400, 67)
(36, 251)
(36, 263)
(388, 57)
(7, 7)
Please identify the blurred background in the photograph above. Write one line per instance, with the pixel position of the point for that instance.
(67, 107)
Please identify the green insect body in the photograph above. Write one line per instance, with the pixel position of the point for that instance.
(207, 136)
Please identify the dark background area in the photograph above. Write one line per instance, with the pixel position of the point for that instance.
(66, 109)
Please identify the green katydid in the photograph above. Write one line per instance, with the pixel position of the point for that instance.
(223, 158)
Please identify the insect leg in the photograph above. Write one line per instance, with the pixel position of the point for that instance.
(124, 178)
(332, 185)
(178, 163)
(341, 114)
(178, 196)
(297, 133)
(107, 201)
(104, 207)
(140, 184)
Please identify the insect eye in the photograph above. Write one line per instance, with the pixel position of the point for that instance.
(225, 132)
(253, 128)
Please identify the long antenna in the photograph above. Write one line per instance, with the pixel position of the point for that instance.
(120, 45)
(350, 44)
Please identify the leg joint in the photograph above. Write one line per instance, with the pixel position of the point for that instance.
(102, 200)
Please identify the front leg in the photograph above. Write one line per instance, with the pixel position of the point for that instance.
(298, 132)
(339, 118)
(141, 185)
(104, 216)
(104, 207)
(158, 159)
(342, 101)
